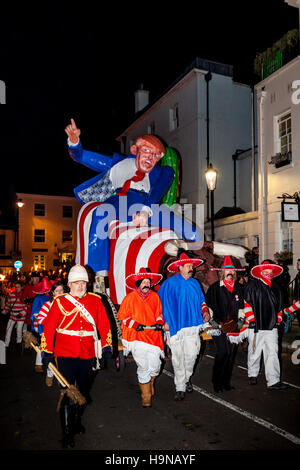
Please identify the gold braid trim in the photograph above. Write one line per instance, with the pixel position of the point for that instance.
(44, 344)
(108, 340)
(66, 314)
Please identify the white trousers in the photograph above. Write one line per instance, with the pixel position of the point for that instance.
(148, 360)
(9, 328)
(266, 343)
(184, 349)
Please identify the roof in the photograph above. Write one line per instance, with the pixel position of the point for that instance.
(200, 64)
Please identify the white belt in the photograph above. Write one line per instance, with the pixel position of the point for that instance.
(75, 332)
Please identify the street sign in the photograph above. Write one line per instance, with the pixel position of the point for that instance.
(290, 211)
(18, 264)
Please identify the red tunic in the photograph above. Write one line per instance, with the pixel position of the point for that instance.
(65, 317)
(144, 311)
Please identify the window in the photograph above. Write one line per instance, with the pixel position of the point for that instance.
(2, 244)
(39, 235)
(285, 134)
(67, 212)
(39, 210)
(39, 262)
(151, 128)
(285, 241)
(67, 235)
(174, 117)
(67, 257)
(283, 142)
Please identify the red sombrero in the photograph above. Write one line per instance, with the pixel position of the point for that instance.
(184, 259)
(142, 274)
(256, 270)
(44, 286)
(227, 264)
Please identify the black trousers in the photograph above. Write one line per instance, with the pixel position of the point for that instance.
(77, 371)
(224, 359)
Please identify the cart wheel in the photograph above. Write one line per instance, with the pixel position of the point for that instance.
(120, 362)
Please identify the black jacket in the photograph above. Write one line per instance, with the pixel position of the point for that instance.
(266, 302)
(296, 292)
(219, 298)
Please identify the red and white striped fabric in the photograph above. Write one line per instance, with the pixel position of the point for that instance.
(132, 248)
(16, 307)
(249, 315)
(204, 308)
(293, 308)
(43, 313)
(238, 337)
(84, 221)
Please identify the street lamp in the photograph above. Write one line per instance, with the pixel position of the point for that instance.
(211, 181)
(19, 204)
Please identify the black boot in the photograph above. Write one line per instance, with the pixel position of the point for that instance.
(67, 423)
(78, 426)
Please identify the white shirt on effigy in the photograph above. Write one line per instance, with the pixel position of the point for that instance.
(125, 170)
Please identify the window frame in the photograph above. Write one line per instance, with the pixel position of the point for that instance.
(34, 235)
(62, 211)
(66, 240)
(34, 209)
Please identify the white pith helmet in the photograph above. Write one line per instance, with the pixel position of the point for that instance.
(78, 273)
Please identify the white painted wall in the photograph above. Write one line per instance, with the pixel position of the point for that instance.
(278, 99)
(230, 128)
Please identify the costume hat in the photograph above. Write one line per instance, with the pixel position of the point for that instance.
(228, 264)
(184, 259)
(256, 270)
(78, 273)
(142, 274)
(44, 286)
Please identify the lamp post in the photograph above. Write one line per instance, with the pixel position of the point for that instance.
(19, 204)
(211, 181)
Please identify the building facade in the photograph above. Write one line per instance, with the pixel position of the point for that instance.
(7, 245)
(279, 159)
(47, 230)
(205, 116)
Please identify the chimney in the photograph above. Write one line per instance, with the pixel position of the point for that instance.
(141, 98)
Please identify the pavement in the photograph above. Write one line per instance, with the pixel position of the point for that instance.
(289, 338)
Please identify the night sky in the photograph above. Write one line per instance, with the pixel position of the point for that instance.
(86, 60)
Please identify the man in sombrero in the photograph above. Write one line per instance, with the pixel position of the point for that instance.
(264, 297)
(184, 311)
(225, 300)
(142, 320)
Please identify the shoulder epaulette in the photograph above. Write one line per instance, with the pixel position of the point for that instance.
(59, 295)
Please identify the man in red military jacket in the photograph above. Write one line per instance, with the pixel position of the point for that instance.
(74, 321)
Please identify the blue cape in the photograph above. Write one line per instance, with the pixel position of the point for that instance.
(37, 304)
(182, 303)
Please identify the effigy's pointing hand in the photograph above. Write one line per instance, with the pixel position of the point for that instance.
(73, 132)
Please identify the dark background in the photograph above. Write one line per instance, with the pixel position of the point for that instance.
(61, 60)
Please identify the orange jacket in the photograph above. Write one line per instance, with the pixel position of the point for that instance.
(134, 310)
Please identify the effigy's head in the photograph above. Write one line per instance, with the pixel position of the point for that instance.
(148, 150)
